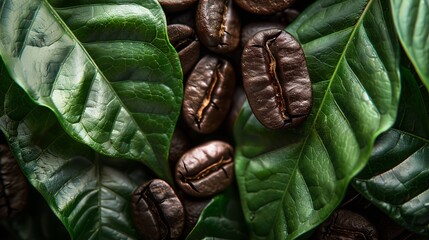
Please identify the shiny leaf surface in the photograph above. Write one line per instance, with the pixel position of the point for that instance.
(396, 177)
(291, 180)
(104, 67)
(221, 219)
(90, 193)
(411, 19)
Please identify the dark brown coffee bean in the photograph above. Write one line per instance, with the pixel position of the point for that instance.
(206, 169)
(249, 30)
(208, 93)
(176, 5)
(276, 80)
(184, 40)
(157, 211)
(13, 185)
(237, 103)
(218, 25)
(193, 208)
(264, 7)
(346, 225)
(179, 145)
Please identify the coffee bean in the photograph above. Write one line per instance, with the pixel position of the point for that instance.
(184, 40)
(157, 211)
(218, 25)
(176, 5)
(206, 169)
(276, 80)
(249, 30)
(179, 145)
(346, 225)
(264, 7)
(208, 93)
(13, 185)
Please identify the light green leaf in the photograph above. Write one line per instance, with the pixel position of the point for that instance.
(411, 18)
(291, 180)
(396, 177)
(90, 193)
(104, 67)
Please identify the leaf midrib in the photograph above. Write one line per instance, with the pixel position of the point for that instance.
(98, 70)
(341, 59)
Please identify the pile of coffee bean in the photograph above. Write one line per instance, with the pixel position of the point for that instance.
(229, 50)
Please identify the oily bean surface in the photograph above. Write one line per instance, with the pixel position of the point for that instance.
(184, 40)
(176, 5)
(264, 7)
(157, 211)
(276, 80)
(206, 169)
(13, 185)
(218, 25)
(346, 225)
(208, 94)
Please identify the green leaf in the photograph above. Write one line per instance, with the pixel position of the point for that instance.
(90, 193)
(411, 18)
(291, 180)
(221, 219)
(396, 177)
(104, 67)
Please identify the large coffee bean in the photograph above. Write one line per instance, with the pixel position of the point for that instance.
(13, 185)
(157, 211)
(218, 26)
(184, 40)
(276, 80)
(176, 5)
(346, 225)
(206, 169)
(208, 93)
(264, 7)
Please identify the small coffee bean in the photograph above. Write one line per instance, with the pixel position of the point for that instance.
(176, 5)
(179, 145)
(184, 40)
(249, 30)
(276, 80)
(157, 211)
(208, 93)
(218, 25)
(206, 169)
(264, 7)
(13, 185)
(346, 225)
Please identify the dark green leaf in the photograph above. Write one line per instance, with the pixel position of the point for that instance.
(396, 177)
(221, 219)
(411, 19)
(291, 180)
(90, 193)
(104, 67)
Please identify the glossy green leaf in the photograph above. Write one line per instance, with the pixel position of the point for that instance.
(411, 19)
(104, 67)
(221, 219)
(90, 193)
(396, 177)
(291, 180)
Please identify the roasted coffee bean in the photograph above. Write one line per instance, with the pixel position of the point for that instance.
(176, 5)
(249, 30)
(157, 211)
(208, 93)
(13, 185)
(218, 25)
(193, 208)
(264, 7)
(346, 225)
(179, 145)
(184, 40)
(237, 103)
(276, 80)
(206, 169)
